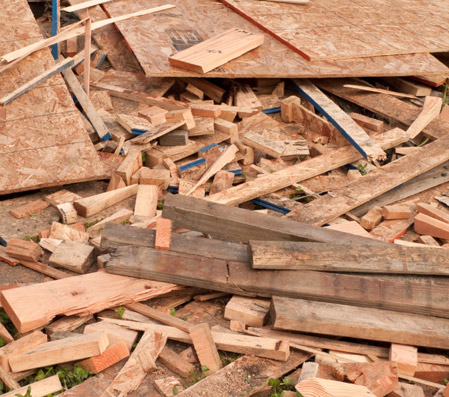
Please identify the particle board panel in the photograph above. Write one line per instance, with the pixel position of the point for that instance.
(323, 31)
(43, 140)
(154, 38)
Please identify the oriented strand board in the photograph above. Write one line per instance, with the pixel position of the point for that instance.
(154, 38)
(43, 141)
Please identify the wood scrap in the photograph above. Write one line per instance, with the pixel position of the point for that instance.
(24, 250)
(29, 208)
(112, 355)
(74, 256)
(40, 388)
(205, 348)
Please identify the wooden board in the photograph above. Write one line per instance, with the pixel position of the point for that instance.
(154, 38)
(321, 30)
(30, 127)
(343, 320)
(317, 387)
(41, 388)
(33, 306)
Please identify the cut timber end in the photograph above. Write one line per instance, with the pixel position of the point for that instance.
(205, 347)
(163, 234)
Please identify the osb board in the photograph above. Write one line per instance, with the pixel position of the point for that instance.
(326, 29)
(43, 141)
(153, 38)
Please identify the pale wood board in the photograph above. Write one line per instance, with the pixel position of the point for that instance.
(41, 388)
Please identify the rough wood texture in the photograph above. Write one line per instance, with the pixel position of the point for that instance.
(115, 333)
(252, 312)
(175, 362)
(25, 250)
(146, 201)
(29, 208)
(41, 388)
(343, 320)
(33, 306)
(112, 355)
(205, 348)
(428, 225)
(163, 234)
(73, 256)
(406, 357)
(316, 387)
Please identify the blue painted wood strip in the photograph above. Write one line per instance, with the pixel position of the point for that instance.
(192, 164)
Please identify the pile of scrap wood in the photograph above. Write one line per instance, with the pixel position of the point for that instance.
(272, 214)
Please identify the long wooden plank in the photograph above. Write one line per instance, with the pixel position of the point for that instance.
(290, 255)
(358, 138)
(381, 180)
(417, 295)
(430, 111)
(367, 323)
(301, 171)
(40, 388)
(83, 5)
(36, 305)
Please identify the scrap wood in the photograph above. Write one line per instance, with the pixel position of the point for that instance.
(83, 5)
(40, 388)
(112, 355)
(315, 387)
(430, 111)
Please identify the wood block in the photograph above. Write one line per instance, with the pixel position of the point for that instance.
(201, 110)
(229, 128)
(19, 346)
(67, 324)
(237, 326)
(223, 180)
(175, 362)
(205, 348)
(68, 213)
(132, 162)
(120, 216)
(116, 182)
(171, 166)
(29, 208)
(71, 46)
(372, 218)
(428, 225)
(203, 126)
(112, 355)
(154, 114)
(183, 116)
(163, 234)
(210, 90)
(185, 186)
(428, 240)
(89, 206)
(146, 200)
(60, 351)
(216, 51)
(115, 333)
(367, 122)
(61, 197)
(26, 250)
(174, 138)
(436, 213)
(265, 145)
(67, 233)
(396, 212)
(406, 358)
(432, 372)
(391, 230)
(251, 311)
(351, 227)
(195, 91)
(169, 386)
(74, 256)
(40, 388)
(309, 370)
(155, 177)
(324, 387)
(132, 123)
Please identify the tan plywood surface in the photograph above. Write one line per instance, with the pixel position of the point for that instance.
(42, 138)
(154, 38)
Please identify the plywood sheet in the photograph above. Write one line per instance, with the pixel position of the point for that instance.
(325, 29)
(153, 38)
(43, 141)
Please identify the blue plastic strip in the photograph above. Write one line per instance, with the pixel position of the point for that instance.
(106, 137)
(54, 26)
(138, 131)
(272, 110)
(101, 61)
(173, 189)
(192, 164)
(270, 206)
(208, 147)
(236, 172)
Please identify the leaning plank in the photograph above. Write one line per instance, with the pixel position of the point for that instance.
(430, 111)
(241, 225)
(41, 388)
(216, 51)
(205, 348)
(36, 305)
(394, 259)
(316, 387)
(381, 180)
(141, 361)
(365, 145)
(91, 205)
(301, 171)
(350, 321)
(393, 292)
(60, 351)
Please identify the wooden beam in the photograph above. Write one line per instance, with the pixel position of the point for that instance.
(365, 145)
(354, 322)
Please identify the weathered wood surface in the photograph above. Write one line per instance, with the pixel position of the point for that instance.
(317, 387)
(41, 388)
(414, 295)
(368, 323)
(394, 259)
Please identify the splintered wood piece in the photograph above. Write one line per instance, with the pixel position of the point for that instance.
(141, 361)
(406, 358)
(316, 387)
(263, 144)
(89, 206)
(430, 111)
(40, 388)
(154, 114)
(397, 212)
(115, 333)
(185, 115)
(60, 351)
(83, 5)
(210, 89)
(365, 145)
(372, 218)
(112, 355)
(251, 311)
(167, 386)
(408, 390)
(36, 305)
(26, 250)
(174, 138)
(205, 348)
(19, 346)
(29, 208)
(379, 91)
(132, 162)
(69, 233)
(223, 180)
(434, 212)
(245, 97)
(67, 324)
(367, 122)
(154, 177)
(146, 200)
(130, 123)
(175, 362)
(201, 110)
(61, 197)
(203, 126)
(74, 256)
(216, 51)
(163, 234)
(392, 230)
(430, 226)
(350, 321)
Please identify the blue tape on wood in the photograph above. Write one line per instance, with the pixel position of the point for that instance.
(272, 110)
(270, 206)
(54, 26)
(195, 163)
(106, 137)
(236, 172)
(138, 131)
(208, 147)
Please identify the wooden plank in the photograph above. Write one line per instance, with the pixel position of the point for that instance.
(65, 232)
(60, 351)
(407, 86)
(302, 171)
(263, 144)
(45, 269)
(252, 312)
(216, 51)
(163, 234)
(365, 145)
(67, 324)
(115, 333)
(157, 132)
(380, 91)
(74, 256)
(24, 250)
(40, 388)
(146, 201)
(205, 348)
(381, 180)
(430, 111)
(83, 5)
(367, 122)
(89, 206)
(174, 138)
(36, 305)
(154, 114)
(112, 355)
(129, 166)
(406, 357)
(61, 197)
(397, 212)
(427, 225)
(350, 321)
(289, 255)
(120, 216)
(175, 362)
(434, 212)
(210, 89)
(325, 387)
